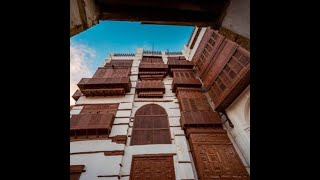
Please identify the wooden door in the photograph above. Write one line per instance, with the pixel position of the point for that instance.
(214, 155)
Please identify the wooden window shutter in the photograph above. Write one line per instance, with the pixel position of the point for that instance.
(232, 79)
(150, 88)
(152, 59)
(110, 73)
(190, 93)
(202, 45)
(100, 109)
(119, 64)
(219, 62)
(151, 126)
(194, 104)
(211, 50)
(90, 126)
(105, 86)
(185, 83)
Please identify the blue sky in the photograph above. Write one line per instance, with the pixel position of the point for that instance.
(89, 49)
(125, 37)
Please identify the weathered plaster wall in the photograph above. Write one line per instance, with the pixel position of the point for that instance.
(239, 114)
(97, 164)
(82, 15)
(237, 18)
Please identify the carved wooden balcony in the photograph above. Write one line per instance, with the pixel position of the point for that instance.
(185, 73)
(104, 86)
(190, 93)
(179, 64)
(227, 81)
(151, 70)
(197, 112)
(200, 119)
(185, 83)
(119, 63)
(91, 126)
(150, 89)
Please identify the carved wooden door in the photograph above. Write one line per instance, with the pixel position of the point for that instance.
(215, 156)
(152, 167)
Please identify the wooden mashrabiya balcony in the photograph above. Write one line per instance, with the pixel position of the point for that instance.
(105, 86)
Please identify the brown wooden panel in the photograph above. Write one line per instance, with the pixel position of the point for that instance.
(215, 156)
(145, 86)
(75, 176)
(152, 71)
(217, 64)
(151, 59)
(212, 48)
(183, 74)
(179, 64)
(176, 62)
(185, 83)
(104, 86)
(114, 153)
(177, 58)
(190, 93)
(100, 108)
(104, 92)
(152, 167)
(111, 73)
(77, 95)
(200, 119)
(75, 171)
(120, 139)
(90, 126)
(152, 76)
(232, 80)
(122, 62)
(151, 126)
(150, 94)
(76, 168)
(149, 66)
(194, 104)
(119, 64)
(202, 45)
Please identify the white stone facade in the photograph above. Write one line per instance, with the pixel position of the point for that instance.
(99, 165)
(90, 152)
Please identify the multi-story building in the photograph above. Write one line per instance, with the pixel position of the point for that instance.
(165, 115)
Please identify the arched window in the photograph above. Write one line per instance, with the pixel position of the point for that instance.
(151, 126)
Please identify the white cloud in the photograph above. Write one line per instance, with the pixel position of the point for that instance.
(81, 58)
